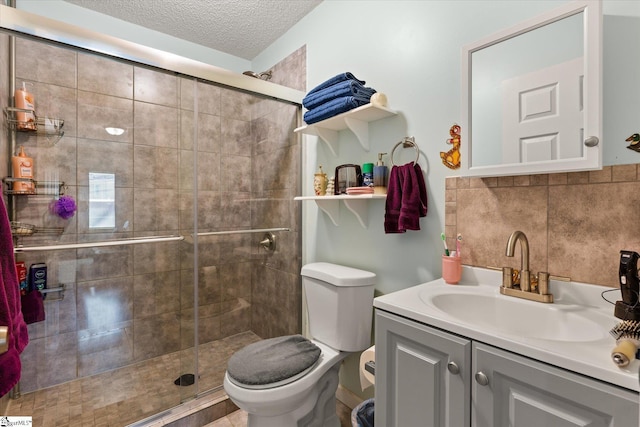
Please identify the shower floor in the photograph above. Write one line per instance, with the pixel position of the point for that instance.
(128, 394)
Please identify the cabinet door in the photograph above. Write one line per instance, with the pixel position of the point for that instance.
(422, 375)
(524, 393)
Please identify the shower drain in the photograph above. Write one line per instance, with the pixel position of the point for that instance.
(185, 380)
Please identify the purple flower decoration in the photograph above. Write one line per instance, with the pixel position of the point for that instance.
(65, 207)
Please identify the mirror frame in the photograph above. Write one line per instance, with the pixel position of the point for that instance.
(592, 157)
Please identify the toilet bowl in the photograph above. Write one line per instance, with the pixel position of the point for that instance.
(287, 404)
(340, 303)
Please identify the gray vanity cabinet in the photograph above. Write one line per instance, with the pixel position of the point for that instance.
(426, 377)
(422, 375)
(523, 392)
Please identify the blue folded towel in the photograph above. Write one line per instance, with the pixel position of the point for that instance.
(332, 108)
(336, 79)
(338, 90)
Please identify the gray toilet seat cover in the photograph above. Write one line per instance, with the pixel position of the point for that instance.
(272, 360)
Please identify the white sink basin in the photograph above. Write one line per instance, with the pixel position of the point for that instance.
(519, 317)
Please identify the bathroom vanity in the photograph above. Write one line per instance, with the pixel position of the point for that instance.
(465, 355)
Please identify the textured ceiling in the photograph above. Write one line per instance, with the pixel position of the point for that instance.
(242, 28)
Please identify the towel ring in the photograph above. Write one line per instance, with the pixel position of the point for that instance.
(407, 142)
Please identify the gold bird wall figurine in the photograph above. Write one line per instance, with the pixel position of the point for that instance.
(451, 158)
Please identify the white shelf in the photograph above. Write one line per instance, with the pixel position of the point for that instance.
(356, 204)
(357, 120)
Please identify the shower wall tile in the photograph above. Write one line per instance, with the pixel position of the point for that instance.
(105, 76)
(56, 102)
(97, 112)
(235, 280)
(103, 351)
(104, 262)
(156, 293)
(275, 130)
(156, 335)
(186, 171)
(155, 167)
(576, 222)
(208, 171)
(236, 173)
(59, 355)
(208, 96)
(209, 133)
(236, 137)
(56, 163)
(154, 209)
(209, 323)
(235, 104)
(105, 157)
(45, 63)
(155, 87)
(209, 213)
(157, 257)
(236, 210)
(237, 248)
(104, 304)
(235, 317)
(278, 210)
(186, 130)
(208, 251)
(292, 70)
(155, 125)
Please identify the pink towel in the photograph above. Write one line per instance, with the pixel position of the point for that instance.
(10, 310)
(406, 199)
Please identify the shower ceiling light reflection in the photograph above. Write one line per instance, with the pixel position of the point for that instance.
(114, 131)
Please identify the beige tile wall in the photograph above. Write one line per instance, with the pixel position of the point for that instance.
(576, 223)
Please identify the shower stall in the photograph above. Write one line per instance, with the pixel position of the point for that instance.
(177, 176)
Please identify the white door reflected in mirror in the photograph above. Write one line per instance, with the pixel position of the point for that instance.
(531, 95)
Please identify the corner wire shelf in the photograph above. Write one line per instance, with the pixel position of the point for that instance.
(40, 188)
(49, 127)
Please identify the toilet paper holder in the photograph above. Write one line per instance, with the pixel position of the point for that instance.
(370, 367)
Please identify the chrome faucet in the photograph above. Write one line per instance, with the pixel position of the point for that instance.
(525, 276)
(541, 286)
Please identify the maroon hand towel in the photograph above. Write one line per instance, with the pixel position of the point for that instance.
(414, 199)
(10, 309)
(394, 201)
(406, 199)
(32, 307)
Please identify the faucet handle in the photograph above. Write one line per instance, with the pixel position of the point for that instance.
(507, 277)
(543, 283)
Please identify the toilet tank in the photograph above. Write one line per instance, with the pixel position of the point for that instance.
(340, 305)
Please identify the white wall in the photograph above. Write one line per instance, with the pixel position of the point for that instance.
(410, 50)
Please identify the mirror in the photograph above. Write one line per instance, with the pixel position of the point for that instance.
(531, 96)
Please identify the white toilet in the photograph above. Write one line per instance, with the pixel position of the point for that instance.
(291, 381)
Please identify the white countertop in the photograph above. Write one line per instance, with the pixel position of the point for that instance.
(591, 357)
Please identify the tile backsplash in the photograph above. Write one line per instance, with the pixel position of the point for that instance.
(576, 222)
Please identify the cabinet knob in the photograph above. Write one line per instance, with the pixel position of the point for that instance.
(481, 378)
(453, 368)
